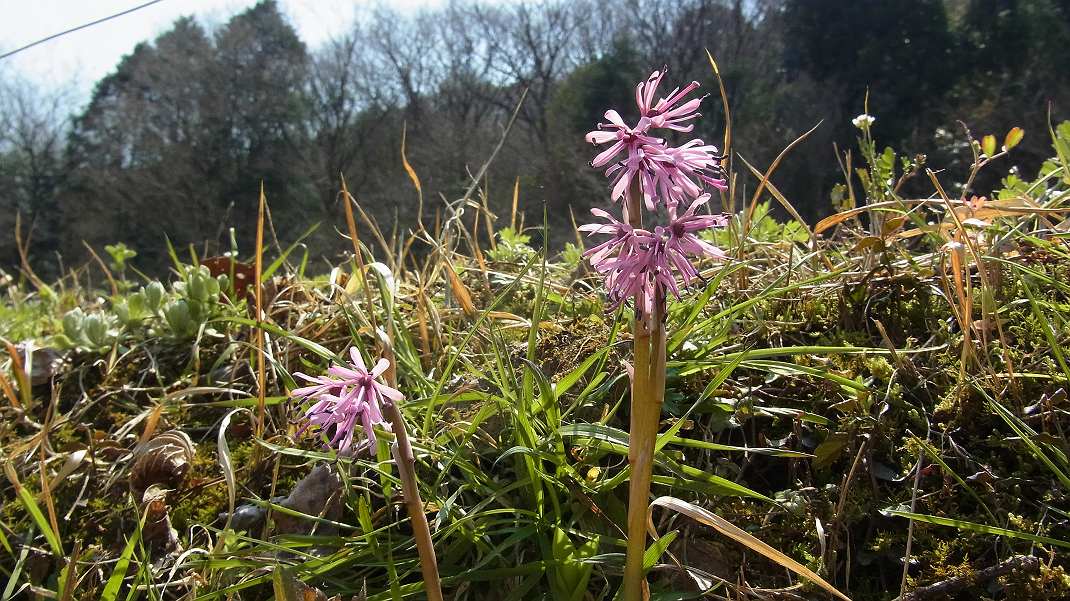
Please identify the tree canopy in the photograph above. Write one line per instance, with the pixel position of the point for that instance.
(177, 140)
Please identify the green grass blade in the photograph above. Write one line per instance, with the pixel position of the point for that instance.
(39, 519)
(656, 549)
(13, 580)
(974, 527)
(935, 455)
(118, 573)
(271, 269)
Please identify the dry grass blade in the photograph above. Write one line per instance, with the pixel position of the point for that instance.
(489, 218)
(373, 226)
(22, 379)
(408, 168)
(501, 142)
(724, 102)
(22, 246)
(103, 267)
(354, 236)
(223, 449)
(516, 200)
(419, 193)
(731, 531)
(46, 490)
(71, 577)
(151, 423)
(775, 192)
(459, 290)
(261, 360)
(727, 150)
(769, 173)
(26, 497)
(70, 465)
(424, 331)
(838, 218)
(9, 391)
(285, 585)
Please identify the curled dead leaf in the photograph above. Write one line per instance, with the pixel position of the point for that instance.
(157, 532)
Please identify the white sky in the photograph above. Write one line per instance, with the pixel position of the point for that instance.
(83, 57)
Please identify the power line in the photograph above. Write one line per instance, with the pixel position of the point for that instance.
(72, 30)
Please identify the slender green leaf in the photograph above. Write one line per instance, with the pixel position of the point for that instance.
(118, 573)
(974, 527)
(26, 497)
(656, 549)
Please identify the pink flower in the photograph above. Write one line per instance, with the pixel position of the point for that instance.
(346, 394)
(634, 264)
(622, 238)
(641, 164)
(682, 243)
(663, 114)
(664, 173)
(641, 264)
(650, 271)
(624, 138)
(671, 175)
(680, 173)
(615, 257)
(695, 160)
(633, 142)
(682, 228)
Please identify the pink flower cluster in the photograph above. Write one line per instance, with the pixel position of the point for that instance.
(345, 395)
(645, 263)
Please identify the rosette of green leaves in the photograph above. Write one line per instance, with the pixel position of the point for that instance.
(96, 331)
(133, 309)
(196, 302)
(119, 254)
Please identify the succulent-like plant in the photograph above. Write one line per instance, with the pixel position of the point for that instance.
(96, 331)
(196, 302)
(135, 308)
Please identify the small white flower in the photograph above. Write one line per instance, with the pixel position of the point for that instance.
(863, 121)
(955, 247)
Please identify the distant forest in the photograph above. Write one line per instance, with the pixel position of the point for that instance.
(178, 138)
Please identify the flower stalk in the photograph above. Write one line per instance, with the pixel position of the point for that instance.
(421, 531)
(648, 395)
(644, 265)
(351, 397)
(646, 400)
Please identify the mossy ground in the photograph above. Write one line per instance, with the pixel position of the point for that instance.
(838, 383)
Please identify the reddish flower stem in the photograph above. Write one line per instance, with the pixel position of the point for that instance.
(421, 531)
(648, 394)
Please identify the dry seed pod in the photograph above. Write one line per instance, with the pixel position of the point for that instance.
(165, 460)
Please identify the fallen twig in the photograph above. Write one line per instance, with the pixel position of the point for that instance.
(941, 590)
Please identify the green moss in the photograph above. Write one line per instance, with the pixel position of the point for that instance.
(1051, 584)
(207, 502)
